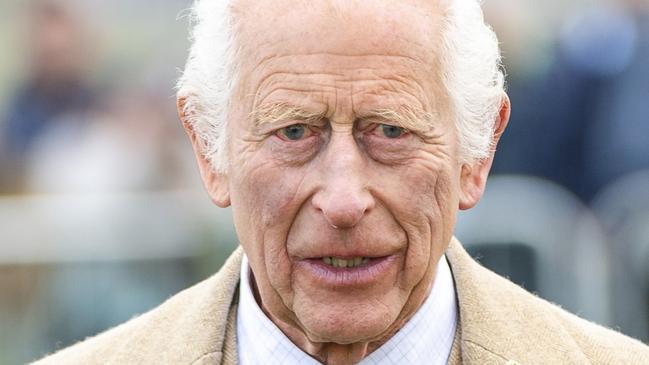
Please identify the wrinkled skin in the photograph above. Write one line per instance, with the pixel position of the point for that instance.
(344, 181)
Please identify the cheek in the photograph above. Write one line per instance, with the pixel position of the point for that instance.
(265, 192)
(265, 201)
(427, 202)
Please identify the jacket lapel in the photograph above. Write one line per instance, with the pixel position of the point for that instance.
(217, 338)
(230, 354)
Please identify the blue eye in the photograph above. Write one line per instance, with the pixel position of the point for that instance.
(293, 132)
(391, 131)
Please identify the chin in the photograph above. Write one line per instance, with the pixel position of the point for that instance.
(345, 323)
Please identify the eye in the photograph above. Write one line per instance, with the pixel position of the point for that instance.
(294, 132)
(391, 131)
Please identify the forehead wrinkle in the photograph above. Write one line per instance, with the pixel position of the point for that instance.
(415, 94)
(274, 83)
(267, 61)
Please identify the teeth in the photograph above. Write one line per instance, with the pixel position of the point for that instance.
(342, 263)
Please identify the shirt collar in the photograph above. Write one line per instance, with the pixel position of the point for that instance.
(417, 342)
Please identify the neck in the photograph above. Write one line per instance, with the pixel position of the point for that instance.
(331, 353)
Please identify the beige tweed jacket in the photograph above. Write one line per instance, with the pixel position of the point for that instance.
(500, 324)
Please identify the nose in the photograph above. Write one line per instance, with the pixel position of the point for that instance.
(343, 197)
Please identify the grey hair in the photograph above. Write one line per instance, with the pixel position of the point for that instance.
(472, 75)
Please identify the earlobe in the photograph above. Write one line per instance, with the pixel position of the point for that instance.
(215, 183)
(473, 180)
(473, 177)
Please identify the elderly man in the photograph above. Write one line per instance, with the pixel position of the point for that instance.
(346, 134)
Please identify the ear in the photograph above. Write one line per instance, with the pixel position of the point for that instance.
(216, 183)
(473, 178)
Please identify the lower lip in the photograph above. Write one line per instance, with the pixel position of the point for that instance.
(362, 275)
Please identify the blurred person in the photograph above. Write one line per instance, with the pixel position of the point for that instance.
(346, 135)
(56, 88)
(552, 104)
(582, 121)
(123, 143)
(617, 140)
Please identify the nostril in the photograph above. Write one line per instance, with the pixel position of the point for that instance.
(333, 225)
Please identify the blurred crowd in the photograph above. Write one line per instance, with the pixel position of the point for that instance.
(87, 106)
(67, 127)
(577, 77)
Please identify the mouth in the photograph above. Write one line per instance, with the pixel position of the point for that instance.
(343, 263)
(352, 271)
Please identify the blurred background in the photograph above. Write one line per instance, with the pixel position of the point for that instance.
(102, 215)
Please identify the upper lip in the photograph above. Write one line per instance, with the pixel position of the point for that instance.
(344, 254)
(370, 247)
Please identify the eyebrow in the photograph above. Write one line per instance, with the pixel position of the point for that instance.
(413, 119)
(279, 112)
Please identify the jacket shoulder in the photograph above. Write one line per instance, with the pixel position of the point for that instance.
(595, 343)
(600, 344)
(501, 320)
(185, 328)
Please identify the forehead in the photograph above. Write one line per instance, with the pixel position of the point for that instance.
(380, 47)
(268, 28)
(269, 20)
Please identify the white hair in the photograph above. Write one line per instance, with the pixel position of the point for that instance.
(472, 74)
(209, 78)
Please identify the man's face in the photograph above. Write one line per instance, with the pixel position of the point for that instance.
(343, 213)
